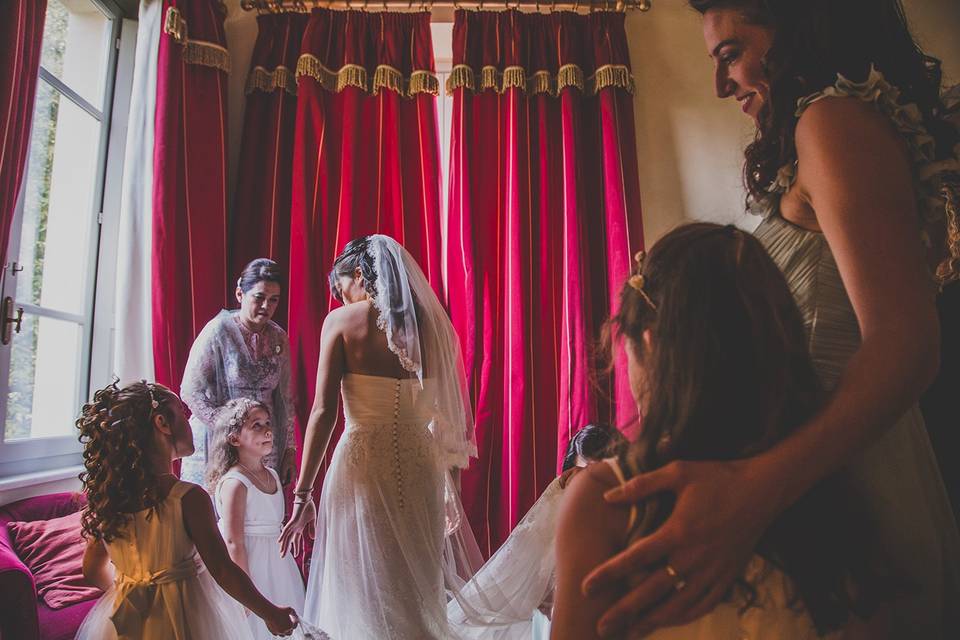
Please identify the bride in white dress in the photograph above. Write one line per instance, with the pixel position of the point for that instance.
(392, 542)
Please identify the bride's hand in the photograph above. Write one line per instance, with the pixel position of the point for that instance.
(302, 522)
(721, 510)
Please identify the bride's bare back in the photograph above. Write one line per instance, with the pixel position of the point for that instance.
(365, 349)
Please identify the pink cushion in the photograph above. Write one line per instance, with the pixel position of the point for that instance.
(53, 551)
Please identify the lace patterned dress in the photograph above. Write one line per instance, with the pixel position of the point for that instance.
(228, 361)
(897, 476)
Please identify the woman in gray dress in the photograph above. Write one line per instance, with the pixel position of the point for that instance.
(849, 162)
(242, 354)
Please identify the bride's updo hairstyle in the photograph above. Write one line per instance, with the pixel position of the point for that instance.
(354, 256)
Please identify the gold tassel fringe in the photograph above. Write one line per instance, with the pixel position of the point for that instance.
(611, 75)
(460, 76)
(489, 80)
(423, 82)
(269, 81)
(206, 54)
(352, 75)
(569, 75)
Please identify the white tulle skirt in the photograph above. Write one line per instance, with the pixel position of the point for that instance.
(504, 600)
(194, 608)
(377, 567)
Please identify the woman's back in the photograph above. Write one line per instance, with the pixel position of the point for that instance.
(154, 540)
(365, 346)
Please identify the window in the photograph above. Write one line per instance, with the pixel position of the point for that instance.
(443, 59)
(50, 279)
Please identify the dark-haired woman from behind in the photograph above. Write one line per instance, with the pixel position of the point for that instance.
(242, 353)
(720, 371)
(848, 166)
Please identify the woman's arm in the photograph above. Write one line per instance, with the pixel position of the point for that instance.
(200, 387)
(201, 526)
(588, 531)
(323, 418)
(233, 498)
(856, 175)
(283, 399)
(97, 569)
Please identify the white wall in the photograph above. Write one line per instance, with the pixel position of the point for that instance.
(689, 144)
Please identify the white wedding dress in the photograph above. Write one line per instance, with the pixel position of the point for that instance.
(393, 544)
(377, 562)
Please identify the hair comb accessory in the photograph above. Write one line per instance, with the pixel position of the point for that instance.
(153, 399)
(637, 281)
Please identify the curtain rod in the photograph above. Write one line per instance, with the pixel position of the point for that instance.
(282, 6)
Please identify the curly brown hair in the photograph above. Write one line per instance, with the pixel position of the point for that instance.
(229, 421)
(117, 434)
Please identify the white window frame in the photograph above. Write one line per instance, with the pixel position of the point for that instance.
(24, 459)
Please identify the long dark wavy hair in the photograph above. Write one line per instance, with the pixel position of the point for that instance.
(813, 41)
(117, 432)
(728, 375)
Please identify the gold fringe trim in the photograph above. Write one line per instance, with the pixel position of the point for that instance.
(611, 75)
(269, 81)
(949, 269)
(423, 82)
(460, 76)
(570, 75)
(207, 54)
(541, 82)
(352, 75)
(387, 77)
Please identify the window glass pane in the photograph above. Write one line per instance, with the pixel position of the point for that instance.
(55, 239)
(76, 42)
(44, 378)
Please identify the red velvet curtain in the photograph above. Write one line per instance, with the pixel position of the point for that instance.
(365, 159)
(544, 220)
(189, 185)
(21, 37)
(260, 222)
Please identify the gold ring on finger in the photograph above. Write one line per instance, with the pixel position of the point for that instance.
(679, 583)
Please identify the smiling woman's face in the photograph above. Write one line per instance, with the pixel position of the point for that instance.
(737, 49)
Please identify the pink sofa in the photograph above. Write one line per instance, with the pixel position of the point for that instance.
(22, 615)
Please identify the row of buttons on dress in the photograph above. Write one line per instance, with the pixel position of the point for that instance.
(397, 470)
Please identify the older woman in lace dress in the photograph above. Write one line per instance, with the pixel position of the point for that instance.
(242, 353)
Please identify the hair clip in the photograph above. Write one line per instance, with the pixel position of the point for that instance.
(153, 399)
(638, 282)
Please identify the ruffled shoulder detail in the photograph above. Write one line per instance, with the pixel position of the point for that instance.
(930, 174)
(906, 117)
